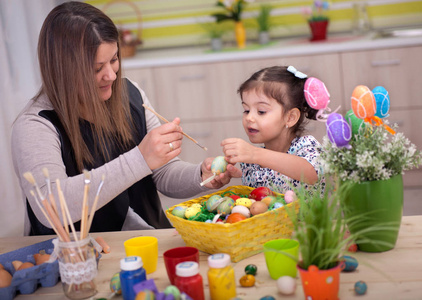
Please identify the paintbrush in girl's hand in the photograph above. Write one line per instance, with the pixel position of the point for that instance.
(167, 121)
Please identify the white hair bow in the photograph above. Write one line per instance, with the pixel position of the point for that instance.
(298, 74)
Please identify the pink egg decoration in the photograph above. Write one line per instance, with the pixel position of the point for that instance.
(338, 130)
(363, 102)
(289, 196)
(316, 94)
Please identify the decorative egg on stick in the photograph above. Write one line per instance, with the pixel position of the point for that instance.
(318, 97)
(382, 100)
(338, 130)
(355, 123)
(218, 165)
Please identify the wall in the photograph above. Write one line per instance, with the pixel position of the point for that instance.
(166, 23)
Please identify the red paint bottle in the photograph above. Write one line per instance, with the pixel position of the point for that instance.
(189, 281)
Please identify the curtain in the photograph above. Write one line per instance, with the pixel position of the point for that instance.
(20, 23)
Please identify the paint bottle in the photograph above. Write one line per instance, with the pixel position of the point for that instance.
(221, 279)
(189, 281)
(132, 272)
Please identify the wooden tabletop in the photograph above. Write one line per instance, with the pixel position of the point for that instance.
(395, 274)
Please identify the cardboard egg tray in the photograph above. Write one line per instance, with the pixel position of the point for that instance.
(26, 281)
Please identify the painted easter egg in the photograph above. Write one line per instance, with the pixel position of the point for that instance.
(241, 210)
(363, 102)
(225, 207)
(286, 285)
(267, 298)
(251, 269)
(290, 196)
(316, 94)
(172, 290)
(235, 217)
(145, 295)
(355, 123)
(268, 200)
(115, 285)
(258, 207)
(349, 263)
(259, 193)
(179, 211)
(244, 202)
(338, 130)
(219, 165)
(191, 211)
(360, 287)
(277, 205)
(213, 202)
(382, 100)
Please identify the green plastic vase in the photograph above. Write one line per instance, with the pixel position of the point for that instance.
(379, 203)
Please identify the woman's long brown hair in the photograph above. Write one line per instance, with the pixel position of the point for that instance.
(67, 47)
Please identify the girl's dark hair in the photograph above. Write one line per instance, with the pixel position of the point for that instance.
(278, 83)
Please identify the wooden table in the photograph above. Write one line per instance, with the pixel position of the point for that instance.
(395, 274)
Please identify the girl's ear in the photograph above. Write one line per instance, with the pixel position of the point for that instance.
(292, 117)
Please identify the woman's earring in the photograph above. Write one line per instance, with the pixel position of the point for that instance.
(287, 126)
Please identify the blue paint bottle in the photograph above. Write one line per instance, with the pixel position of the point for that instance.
(132, 272)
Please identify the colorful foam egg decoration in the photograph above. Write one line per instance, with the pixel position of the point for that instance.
(244, 202)
(363, 102)
(213, 202)
(338, 130)
(225, 206)
(191, 211)
(316, 94)
(382, 100)
(355, 123)
(179, 211)
(349, 263)
(241, 210)
(219, 165)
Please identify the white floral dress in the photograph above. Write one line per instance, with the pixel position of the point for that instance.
(308, 147)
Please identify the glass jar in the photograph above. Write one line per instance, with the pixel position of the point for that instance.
(78, 268)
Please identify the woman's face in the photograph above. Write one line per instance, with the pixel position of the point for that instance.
(107, 65)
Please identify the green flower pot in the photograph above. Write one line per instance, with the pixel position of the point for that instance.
(376, 203)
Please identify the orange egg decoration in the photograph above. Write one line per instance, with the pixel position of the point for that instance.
(258, 207)
(235, 217)
(363, 102)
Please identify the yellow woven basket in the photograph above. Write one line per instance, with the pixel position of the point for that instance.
(240, 240)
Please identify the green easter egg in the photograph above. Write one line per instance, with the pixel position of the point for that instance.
(172, 290)
(225, 206)
(115, 285)
(355, 123)
(213, 202)
(179, 211)
(219, 165)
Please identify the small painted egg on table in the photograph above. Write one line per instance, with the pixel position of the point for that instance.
(251, 269)
(225, 207)
(191, 211)
(258, 207)
(179, 211)
(360, 287)
(219, 165)
(213, 202)
(241, 210)
(247, 280)
(172, 290)
(267, 298)
(145, 295)
(115, 285)
(244, 202)
(353, 248)
(286, 285)
(349, 263)
(290, 196)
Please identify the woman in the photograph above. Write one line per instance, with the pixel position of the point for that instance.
(86, 116)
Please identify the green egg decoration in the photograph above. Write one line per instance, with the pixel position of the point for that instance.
(213, 202)
(172, 290)
(179, 211)
(219, 165)
(225, 206)
(355, 123)
(115, 285)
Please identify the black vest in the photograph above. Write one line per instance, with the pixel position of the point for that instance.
(141, 196)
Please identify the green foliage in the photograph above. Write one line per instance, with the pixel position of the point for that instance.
(233, 8)
(214, 30)
(375, 154)
(264, 18)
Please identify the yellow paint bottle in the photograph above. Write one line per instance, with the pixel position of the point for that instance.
(221, 280)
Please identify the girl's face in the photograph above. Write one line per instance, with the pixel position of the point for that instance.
(107, 65)
(263, 119)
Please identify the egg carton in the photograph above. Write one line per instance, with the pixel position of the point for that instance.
(26, 281)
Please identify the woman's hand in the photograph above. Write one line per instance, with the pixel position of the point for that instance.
(237, 150)
(223, 178)
(162, 144)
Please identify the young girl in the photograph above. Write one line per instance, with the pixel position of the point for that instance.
(275, 109)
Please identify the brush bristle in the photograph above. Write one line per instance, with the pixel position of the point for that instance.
(45, 172)
(29, 177)
(87, 174)
(102, 177)
(32, 193)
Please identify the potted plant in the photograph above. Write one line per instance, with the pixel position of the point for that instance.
(373, 163)
(317, 19)
(233, 11)
(215, 32)
(264, 23)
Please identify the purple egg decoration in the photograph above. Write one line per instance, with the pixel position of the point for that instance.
(338, 130)
(382, 100)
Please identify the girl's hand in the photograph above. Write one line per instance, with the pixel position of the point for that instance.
(155, 146)
(237, 150)
(220, 180)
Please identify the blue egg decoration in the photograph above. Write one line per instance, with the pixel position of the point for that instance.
(360, 287)
(179, 211)
(382, 100)
(338, 130)
(225, 206)
(213, 202)
(219, 165)
(349, 263)
(278, 205)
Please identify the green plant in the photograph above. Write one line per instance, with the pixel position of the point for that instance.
(264, 17)
(233, 8)
(375, 154)
(317, 12)
(214, 30)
